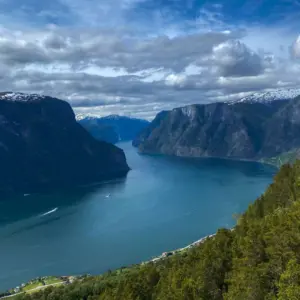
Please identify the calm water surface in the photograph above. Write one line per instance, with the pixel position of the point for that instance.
(163, 204)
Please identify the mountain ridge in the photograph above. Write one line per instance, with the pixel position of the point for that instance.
(241, 130)
(43, 147)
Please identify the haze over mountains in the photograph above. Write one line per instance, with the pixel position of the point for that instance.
(112, 128)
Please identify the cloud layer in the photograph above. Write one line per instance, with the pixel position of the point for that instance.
(100, 60)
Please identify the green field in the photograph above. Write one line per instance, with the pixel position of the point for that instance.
(32, 286)
(38, 285)
(52, 280)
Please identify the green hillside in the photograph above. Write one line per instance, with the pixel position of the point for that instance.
(259, 259)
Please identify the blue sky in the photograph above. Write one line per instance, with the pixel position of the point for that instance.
(138, 57)
(267, 12)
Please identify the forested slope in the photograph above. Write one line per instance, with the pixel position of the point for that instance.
(259, 259)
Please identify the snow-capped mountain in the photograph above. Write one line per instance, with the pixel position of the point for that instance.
(280, 94)
(37, 134)
(80, 116)
(90, 116)
(20, 96)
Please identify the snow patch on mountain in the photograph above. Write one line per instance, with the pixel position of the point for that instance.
(86, 116)
(280, 94)
(91, 116)
(11, 96)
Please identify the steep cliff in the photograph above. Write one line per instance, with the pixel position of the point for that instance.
(42, 146)
(245, 130)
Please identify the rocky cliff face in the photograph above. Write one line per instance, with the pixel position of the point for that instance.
(42, 146)
(235, 130)
(113, 128)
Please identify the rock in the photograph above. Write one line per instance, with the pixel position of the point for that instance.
(43, 147)
(243, 130)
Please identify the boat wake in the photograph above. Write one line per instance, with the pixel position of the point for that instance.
(49, 212)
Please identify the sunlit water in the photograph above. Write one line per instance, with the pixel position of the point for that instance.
(163, 204)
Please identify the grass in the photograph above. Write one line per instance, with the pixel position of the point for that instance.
(37, 286)
(44, 287)
(13, 297)
(32, 286)
(52, 280)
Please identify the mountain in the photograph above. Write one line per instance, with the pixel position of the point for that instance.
(257, 259)
(279, 94)
(112, 128)
(42, 146)
(245, 130)
(100, 131)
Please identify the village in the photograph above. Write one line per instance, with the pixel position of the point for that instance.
(40, 283)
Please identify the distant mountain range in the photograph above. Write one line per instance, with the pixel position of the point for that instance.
(265, 127)
(112, 128)
(43, 147)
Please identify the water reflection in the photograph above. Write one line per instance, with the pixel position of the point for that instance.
(17, 207)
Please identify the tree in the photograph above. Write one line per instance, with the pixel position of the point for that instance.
(289, 283)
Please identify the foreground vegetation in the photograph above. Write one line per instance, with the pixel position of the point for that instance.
(38, 284)
(259, 259)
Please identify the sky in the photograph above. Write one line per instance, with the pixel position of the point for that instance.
(138, 57)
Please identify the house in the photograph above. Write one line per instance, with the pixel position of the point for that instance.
(71, 279)
(166, 254)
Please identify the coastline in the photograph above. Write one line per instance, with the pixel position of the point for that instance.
(165, 255)
(172, 252)
(260, 161)
(200, 241)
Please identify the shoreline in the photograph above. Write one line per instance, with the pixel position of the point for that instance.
(164, 255)
(259, 161)
(172, 252)
(189, 246)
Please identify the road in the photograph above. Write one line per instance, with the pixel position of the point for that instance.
(37, 288)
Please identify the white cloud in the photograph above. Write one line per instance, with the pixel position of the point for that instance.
(234, 58)
(101, 72)
(175, 80)
(296, 48)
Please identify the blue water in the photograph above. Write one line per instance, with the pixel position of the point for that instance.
(163, 204)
